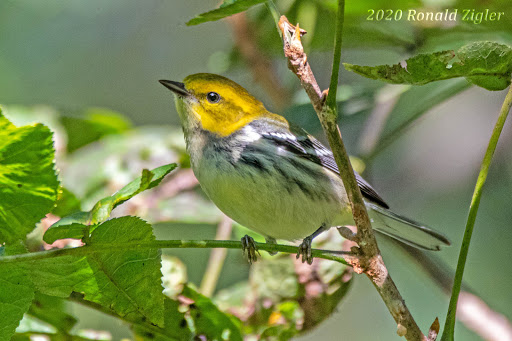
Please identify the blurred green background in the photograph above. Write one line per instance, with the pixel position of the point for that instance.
(71, 55)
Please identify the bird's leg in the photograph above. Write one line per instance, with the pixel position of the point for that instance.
(270, 240)
(305, 246)
(249, 246)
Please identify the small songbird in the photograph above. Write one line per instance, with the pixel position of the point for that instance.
(269, 175)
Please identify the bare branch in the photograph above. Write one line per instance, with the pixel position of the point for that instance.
(370, 261)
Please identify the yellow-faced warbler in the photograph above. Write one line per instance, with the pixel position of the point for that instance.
(269, 175)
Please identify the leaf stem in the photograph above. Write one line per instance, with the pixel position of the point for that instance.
(274, 11)
(166, 244)
(449, 327)
(336, 60)
(370, 261)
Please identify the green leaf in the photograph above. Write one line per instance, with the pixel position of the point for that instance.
(486, 64)
(228, 7)
(209, 320)
(60, 276)
(72, 226)
(73, 230)
(52, 310)
(16, 294)
(98, 122)
(28, 183)
(126, 282)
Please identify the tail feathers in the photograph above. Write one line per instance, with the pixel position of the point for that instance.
(405, 230)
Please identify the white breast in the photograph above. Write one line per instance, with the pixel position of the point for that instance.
(268, 203)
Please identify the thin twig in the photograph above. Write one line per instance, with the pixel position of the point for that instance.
(449, 327)
(164, 244)
(217, 258)
(370, 261)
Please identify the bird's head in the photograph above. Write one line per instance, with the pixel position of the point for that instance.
(214, 103)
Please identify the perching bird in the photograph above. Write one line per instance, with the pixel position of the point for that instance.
(269, 175)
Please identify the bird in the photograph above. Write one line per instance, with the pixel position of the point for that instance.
(270, 175)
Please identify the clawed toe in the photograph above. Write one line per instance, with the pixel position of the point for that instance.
(305, 251)
(249, 246)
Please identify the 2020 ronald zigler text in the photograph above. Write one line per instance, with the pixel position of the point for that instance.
(468, 15)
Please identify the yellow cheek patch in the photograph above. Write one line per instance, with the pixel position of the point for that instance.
(235, 109)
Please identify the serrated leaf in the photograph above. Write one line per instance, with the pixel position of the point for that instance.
(127, 282)
(96, 123)
(209, 320)
(228, 7)
(52, 310)
(16, 294)
(486, 64)
(72, 225)
(28, 183)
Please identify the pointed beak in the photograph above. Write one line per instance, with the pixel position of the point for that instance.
(176, 87)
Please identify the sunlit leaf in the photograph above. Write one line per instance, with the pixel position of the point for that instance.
(72, 226)
(126, 282)
(486, 64)
(28, 183)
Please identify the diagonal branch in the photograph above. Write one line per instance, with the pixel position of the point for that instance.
(370, 261)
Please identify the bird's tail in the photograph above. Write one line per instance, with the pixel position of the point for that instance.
(404, 229)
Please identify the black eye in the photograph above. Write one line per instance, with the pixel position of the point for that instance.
(213, 97)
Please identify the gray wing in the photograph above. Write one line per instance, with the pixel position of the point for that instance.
(306, 146)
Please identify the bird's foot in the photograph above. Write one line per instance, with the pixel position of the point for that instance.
(249, 246)
(305, 250)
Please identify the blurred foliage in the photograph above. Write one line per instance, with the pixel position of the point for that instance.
(285, 297)
(227, 8)
(97, 122)
(98, 151)
(76, 224)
